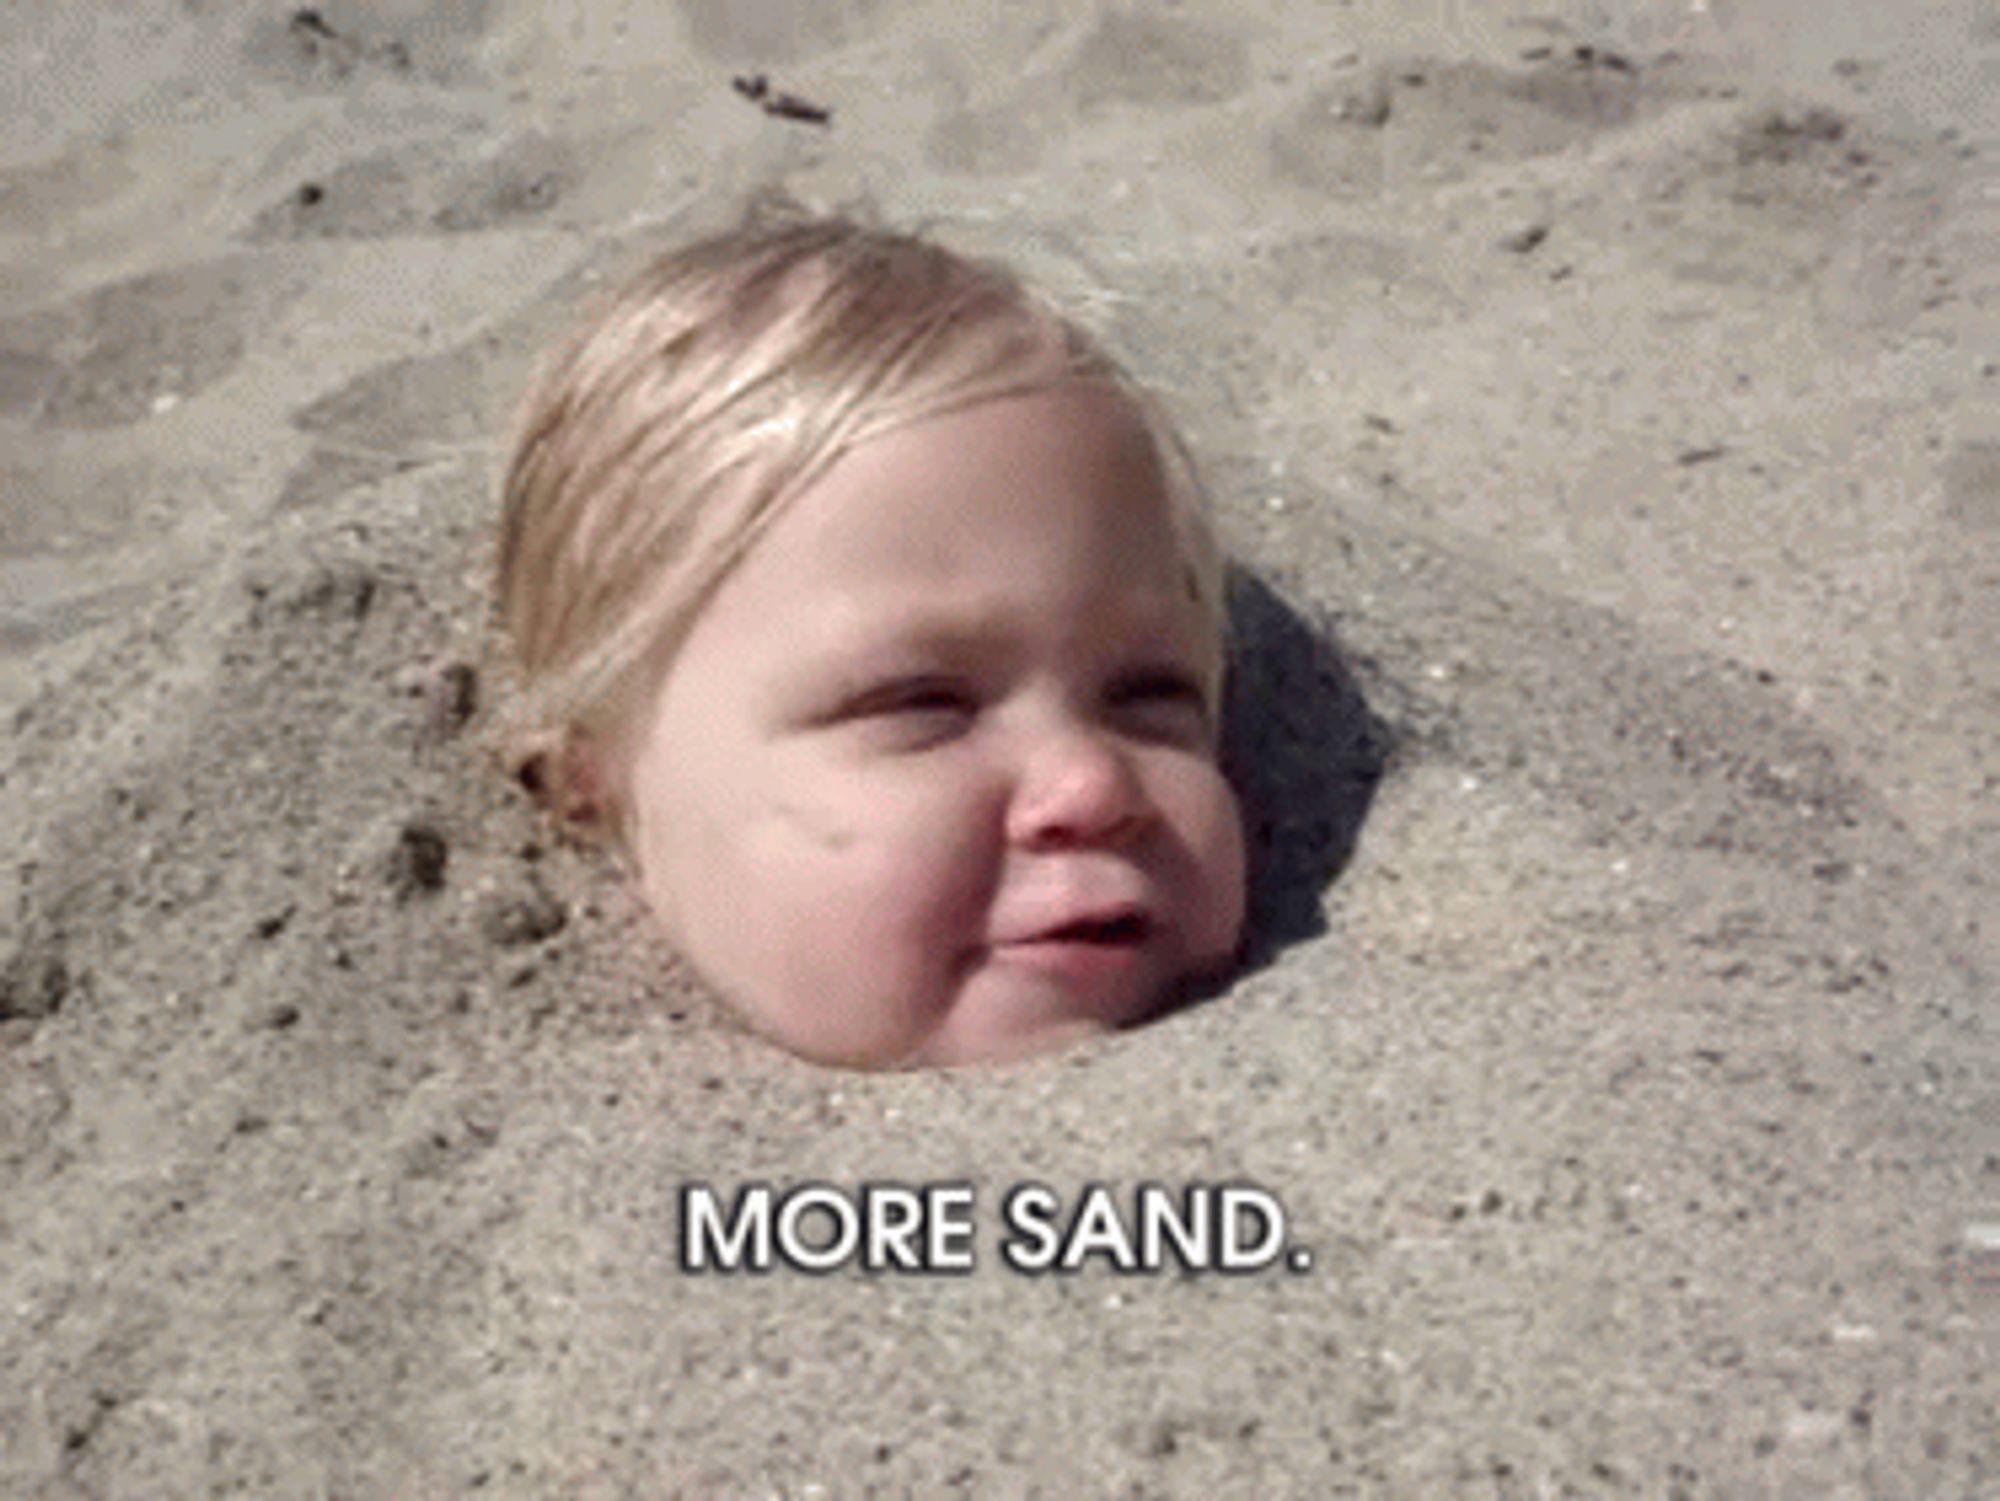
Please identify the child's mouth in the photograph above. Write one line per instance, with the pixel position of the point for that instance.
(1121, 930)
(1089, 952)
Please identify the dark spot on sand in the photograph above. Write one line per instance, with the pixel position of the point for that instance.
(417, 862)
(79, 1435)
(318, 45)
(271, 926)
(331, 593)
(321, 46)
(793, 107)
(371, 196)
(1782, 136)
(1598, 57)
(522, 918)
(451, 698)
(780, 105)
(35, 982)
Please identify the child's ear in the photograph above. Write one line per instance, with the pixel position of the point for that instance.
(578, 783)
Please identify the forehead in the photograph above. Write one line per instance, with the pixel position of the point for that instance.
(1035, 527)
(1067, 479)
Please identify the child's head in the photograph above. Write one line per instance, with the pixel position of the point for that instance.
(870, 609)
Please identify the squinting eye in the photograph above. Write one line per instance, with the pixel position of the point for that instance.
(1165, 703)
(917, 696)
(914, 713)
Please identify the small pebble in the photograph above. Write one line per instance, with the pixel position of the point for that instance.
(417, 863)
(451, 697)
(34, 985)
(515, 921)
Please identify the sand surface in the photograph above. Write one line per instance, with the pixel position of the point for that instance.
(1604, 400)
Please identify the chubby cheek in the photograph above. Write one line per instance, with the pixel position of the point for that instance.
(837, 923)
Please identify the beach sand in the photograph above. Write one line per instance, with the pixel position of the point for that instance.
(1603, 402)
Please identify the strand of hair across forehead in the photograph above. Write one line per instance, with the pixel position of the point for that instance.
(810, 437)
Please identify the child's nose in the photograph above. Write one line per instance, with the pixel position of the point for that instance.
(1078, 788)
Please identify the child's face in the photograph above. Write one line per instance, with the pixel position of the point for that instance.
(933, 777)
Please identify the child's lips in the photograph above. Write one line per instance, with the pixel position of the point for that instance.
(1120, 924)
(1091, 948)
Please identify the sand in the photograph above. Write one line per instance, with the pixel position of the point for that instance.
(1603, 402)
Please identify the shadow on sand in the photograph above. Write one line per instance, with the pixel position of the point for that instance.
(1304, 752)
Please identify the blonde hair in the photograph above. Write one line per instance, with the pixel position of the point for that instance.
(672, 428)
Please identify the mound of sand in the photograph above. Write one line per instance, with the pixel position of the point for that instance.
(1603, 409)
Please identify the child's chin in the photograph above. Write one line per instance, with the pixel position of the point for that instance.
(968, 1049)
